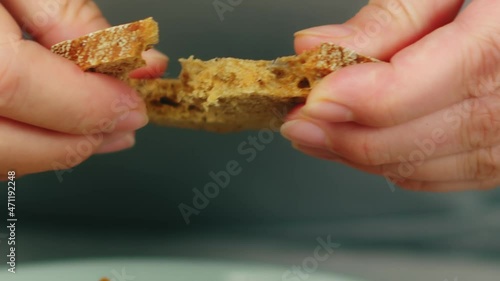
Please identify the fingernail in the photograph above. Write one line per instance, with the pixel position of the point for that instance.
(334, 31)
(131, 121)
(114, 137)
(125, 142)
(304, 132)
(328, 111)
(156, 65)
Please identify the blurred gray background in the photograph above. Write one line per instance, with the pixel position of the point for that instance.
(127, 204)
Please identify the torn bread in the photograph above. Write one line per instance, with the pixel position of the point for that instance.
(222, 94)
(115, 51)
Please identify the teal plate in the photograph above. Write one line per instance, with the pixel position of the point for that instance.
(161, 270)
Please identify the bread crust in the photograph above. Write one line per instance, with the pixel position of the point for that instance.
(220, 95)
(114, 51)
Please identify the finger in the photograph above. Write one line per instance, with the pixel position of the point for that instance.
(480, 164)
(53, 21)
(452, 186)
(306, 132)
(360, 144)
(440, 70)
(116, 142)
(10, 32)
(44, 90)
(468, 126)
(156, 65)
(320, 153)
(294, 113)
(383, 27)
(442, 133)
(27, 149)
(439, 175)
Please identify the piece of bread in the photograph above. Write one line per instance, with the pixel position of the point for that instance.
(223, 94)
(115, 51)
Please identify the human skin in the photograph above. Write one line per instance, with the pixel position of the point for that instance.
(428, 118)
(49, 108)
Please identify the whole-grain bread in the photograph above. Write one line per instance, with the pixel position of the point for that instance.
(222, 94)
(115, 51)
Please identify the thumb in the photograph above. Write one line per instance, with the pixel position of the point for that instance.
(383, 27)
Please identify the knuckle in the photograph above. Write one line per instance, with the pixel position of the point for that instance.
(487, 82)
(398, 9)
(484, 164)
(83, 10)
(482, 125)
(10, 82)
(85, 119)
(362, 149)
(404, 8)
(481, 60)
(371, 152)
(71, 8)
(380, 108)
(82, 120)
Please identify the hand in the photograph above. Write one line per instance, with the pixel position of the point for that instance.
(53, 115)
(429, 118)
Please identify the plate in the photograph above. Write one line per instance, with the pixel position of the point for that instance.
(163, 270)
